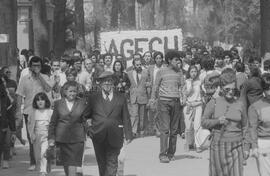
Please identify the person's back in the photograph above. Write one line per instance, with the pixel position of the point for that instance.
(253, 89)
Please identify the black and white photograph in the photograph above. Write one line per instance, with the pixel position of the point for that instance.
(134, 87)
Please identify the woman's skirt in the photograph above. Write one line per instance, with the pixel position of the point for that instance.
(226, 159)
(70, 154)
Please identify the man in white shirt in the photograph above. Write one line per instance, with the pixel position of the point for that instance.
(85, 78)
(29, 86)
(152, 72)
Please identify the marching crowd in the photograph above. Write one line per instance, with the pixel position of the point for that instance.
(211, 98)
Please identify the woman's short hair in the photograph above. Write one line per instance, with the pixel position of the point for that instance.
(157, 53)
(72, 71)
(190, 68)
(118, 61)
(41, 96)
(69, 84)
(227, 76)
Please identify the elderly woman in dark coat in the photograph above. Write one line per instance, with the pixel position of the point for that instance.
(226, 117)
(66, 128)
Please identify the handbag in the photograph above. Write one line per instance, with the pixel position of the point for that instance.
(53, 155)
(203, 137)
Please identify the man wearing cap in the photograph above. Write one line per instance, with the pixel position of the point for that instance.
(110, 122)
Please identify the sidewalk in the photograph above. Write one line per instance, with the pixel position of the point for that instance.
(141, 160)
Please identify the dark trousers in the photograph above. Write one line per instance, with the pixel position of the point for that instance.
(4, 144)
(168, 121)
(107, 158)
(31, 147)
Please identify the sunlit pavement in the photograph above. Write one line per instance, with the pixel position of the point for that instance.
(141, 160)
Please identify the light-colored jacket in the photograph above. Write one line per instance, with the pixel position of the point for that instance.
(138, 92)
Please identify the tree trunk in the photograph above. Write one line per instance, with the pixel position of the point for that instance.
(8, 26)
(41, 43)
(165, 11)
(114, 13)
(265, 26)
(79, 32)
(59, 26)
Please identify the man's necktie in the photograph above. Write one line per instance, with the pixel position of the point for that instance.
(107, 97)
(137, 78)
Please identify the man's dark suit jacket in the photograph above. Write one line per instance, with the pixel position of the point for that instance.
(109, 123)
(68, 126)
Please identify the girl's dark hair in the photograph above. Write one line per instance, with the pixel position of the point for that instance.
(189, 69)
(41, 96)
(122, 67)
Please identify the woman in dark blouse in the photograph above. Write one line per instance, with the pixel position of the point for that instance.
(122, 82)
(226, 117)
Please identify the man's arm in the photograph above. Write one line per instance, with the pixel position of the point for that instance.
(156, 85)
(46, 84)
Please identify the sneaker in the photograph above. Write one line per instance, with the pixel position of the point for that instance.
(32, 168)
(5, 165)
(199, 150)
(12, 151)
(164, 159)
(42, 174)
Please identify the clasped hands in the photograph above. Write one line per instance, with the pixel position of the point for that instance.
(223, 120)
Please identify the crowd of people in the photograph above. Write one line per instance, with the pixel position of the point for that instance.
(64, 100)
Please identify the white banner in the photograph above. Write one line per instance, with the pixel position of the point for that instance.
(128, 43)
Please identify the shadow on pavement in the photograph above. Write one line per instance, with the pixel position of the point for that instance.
(179, 157)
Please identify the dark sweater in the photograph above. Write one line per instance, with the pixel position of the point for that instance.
(252, 91)
(5, 120)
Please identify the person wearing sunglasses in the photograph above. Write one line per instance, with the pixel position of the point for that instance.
(225, 116)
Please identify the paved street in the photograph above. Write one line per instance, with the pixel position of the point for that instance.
(141, 160)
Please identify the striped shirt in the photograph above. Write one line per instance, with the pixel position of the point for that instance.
(169, 84)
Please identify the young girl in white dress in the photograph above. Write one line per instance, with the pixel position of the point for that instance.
(193, 107)
(38, 129)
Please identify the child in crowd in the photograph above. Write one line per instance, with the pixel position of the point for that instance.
(38, 129)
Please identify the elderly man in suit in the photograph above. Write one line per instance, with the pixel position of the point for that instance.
(139, 80)
(110, 120)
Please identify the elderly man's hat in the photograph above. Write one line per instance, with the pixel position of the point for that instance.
(106, 75)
